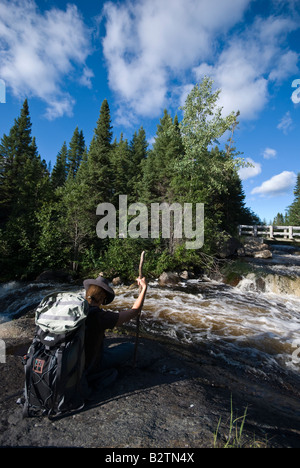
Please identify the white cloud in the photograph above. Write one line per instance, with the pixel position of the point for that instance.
(286, 123)
(39, 50)
(253, 169)
(286, 66)
(148, 42)
(269, 153)
(249, 63)
(280, 184)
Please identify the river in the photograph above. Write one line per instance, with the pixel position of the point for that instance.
(254, 324)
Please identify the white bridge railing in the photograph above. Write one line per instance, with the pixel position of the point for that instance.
(283, 233)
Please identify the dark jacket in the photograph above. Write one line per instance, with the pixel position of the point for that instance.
(97, 321)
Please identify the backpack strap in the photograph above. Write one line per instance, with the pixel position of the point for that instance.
(62, 377)
(59, 386)
(28, 361)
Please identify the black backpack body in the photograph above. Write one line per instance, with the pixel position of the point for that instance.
(55, 380)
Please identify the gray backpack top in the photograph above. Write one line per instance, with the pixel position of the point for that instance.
(61, 312)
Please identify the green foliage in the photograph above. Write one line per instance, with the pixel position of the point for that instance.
(235, 436)
(75, 153)
(122, 258)
(281, 220)
(24, 184)
(293, 212)
(59, 172)
(99, 171)
(49, 221)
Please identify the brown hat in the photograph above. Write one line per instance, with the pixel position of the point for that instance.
(102, 283)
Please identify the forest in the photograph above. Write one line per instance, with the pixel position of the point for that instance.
(48, 216)
(291, 217)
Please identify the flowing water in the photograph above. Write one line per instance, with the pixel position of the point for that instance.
(255, 324)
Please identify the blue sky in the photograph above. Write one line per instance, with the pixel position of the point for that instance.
(144, 56)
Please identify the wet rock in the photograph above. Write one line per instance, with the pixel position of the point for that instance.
(55, 276)
(176, 396)
(229, 248)
(263, 254)
(168, 278)
(254, 248)
(232, 279)
(186, 275)
(260, 284)
(117, 281)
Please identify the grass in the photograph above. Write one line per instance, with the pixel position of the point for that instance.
(236, 437)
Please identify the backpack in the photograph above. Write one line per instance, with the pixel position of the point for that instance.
(54, 365)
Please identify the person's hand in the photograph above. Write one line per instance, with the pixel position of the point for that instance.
(142, 282)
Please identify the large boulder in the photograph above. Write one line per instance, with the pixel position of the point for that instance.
(229, 247)
(263, 254)
(54, 276)
(169, 278)
(255, 247)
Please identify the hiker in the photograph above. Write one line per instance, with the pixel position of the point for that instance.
(102, 362)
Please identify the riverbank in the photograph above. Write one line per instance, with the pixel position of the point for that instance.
(176, 397)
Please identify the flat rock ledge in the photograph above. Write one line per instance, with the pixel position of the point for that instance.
(176, 396)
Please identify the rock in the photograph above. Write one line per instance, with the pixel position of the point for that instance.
(176, 396)
(56, 276)
(233, 279)
(260, 284)
(117, 281)
(241, 252)
(254, 247)
(229, 247)
(168, 278)
(263, 254)
(184, 275)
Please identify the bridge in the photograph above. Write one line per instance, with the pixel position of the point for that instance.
(272, 233)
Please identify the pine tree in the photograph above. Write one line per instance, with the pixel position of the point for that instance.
(158, 169)
(279, 220)
(294, 208)
(24, 187)
(99, 173)
(75, 153)
(120, 161)
(59, 172)
(15, 150)
(159, 166)
(90, 184)
(138, 154)
(22, 170)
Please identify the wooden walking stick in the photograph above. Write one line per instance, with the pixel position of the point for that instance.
(138, 317)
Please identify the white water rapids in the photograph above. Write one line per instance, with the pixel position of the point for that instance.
(243, 325)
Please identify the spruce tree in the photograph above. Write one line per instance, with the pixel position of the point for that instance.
(15, 150)
(24, 187)
(120, 163)
(99, 173)
(159, 166)
(75, 153)
(91, 185)
(59, 172)
(138, 154)
(294, 208)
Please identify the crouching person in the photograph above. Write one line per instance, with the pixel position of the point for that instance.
(102, 362)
